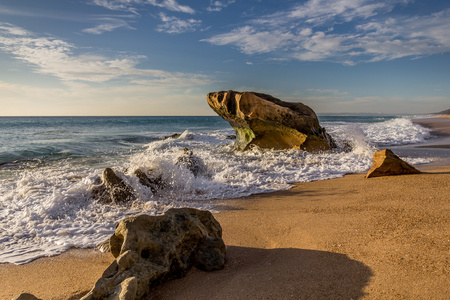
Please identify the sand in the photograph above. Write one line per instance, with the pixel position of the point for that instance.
(345, 238)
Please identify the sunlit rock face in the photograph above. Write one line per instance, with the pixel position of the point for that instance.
(152, 249)
(386, 163)
(265, 121)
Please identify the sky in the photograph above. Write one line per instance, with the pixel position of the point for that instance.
(162, 57)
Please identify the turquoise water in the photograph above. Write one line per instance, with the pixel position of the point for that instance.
(49, 166)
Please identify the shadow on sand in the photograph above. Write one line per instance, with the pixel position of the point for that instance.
(252, 273)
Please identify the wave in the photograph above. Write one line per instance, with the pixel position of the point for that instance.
(48, 207)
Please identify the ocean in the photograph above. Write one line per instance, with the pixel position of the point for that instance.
(49, 166)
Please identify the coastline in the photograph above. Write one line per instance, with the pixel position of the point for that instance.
(349, 237)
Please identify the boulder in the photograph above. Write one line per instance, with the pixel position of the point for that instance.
(152, 249)
(265, 121)
(386, 163)
(112, 188)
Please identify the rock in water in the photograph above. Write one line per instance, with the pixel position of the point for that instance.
(113, 189)
(268, 122)
(155, 183)
(191, 162)
(386, 163)
(152, 249)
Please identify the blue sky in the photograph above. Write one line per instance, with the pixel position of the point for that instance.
(161, 57)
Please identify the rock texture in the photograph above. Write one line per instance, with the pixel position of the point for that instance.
(151, 249)
(386, 163)
(112, 188)
(26, 296)
(268, 122)
(190, 161)
(155, 183)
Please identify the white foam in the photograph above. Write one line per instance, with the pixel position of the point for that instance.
(48, 209)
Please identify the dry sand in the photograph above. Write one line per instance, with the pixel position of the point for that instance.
(345, 238)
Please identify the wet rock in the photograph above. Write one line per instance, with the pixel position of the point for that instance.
(152, 249)
(386, 163)
(265, 121)
(191, 162)
(155, 183)
(173, 136)
(112, 188)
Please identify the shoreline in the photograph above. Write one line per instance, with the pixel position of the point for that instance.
(349, 237)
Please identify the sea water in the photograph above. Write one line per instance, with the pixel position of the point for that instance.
(49, 165)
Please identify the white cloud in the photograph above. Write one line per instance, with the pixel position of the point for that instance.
(175, 25)
(251, 41)
(344, 31)
(51, 56)
(171, 5)
(109, 24)
(133, 5)
(218, 5)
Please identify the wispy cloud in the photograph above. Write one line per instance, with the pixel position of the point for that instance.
(218, 5)
(344, 31)
(134, 5)
(52, 56)
(107, 25)
(174, 25)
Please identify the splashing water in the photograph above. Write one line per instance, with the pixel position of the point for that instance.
(46, 204)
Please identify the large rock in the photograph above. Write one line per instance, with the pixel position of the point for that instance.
(152, 249)
(268, 122)
(386, 163)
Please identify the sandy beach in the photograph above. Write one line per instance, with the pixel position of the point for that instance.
(344, 238)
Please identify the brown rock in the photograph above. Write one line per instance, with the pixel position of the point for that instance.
(113, 189)
(155, 183)
(152, 249)
(268, 122)
(386, 163)
(26, 296)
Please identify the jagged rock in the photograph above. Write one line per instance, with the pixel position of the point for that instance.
(386, 163)
(191, 162)
(113, 189)
(152, 249)
(173, 136)
(265, 121)
(154, 183)
(26, 296)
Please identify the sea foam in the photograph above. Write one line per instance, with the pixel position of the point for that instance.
(47, 207)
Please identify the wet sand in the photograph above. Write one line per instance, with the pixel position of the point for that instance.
(344, 238)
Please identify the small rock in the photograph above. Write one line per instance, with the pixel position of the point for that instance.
(173, 136)
(154, 183)
(26, 296)
(386, 163)
(191, 162)
(113, 189)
